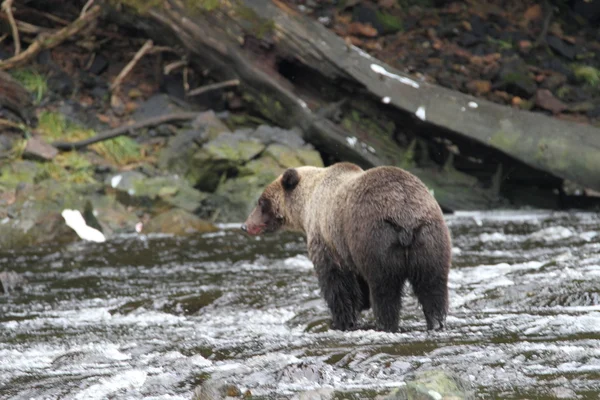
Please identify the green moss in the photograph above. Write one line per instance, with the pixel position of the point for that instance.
(259, 26)
(118, 151)
(502, 44)
(71, 167)
(587, 74)
(389, 22)
(33, 81)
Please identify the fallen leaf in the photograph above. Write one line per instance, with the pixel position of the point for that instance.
(533, 13)
(479, 87)
(360, 29)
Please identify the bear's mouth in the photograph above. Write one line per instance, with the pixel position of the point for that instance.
(255, 229)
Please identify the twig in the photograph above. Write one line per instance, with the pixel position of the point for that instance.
(7, 7)
(173, 66)
(86, 7)
(6, 122)
(213, 86)
(48, 41)
(113, 133)
(140, 53)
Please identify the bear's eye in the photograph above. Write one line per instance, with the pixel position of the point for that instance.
(264, 204)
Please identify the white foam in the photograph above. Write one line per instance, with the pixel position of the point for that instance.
(299, 262)
(133, 379)
(386, 100)
(472, 104)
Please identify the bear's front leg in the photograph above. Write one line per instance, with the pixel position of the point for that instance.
(339, 286)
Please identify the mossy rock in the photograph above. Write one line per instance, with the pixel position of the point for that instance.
(19, 172)
(35, 215)
(155, 194)
(220, 158)
(178, 222)
(177, 156)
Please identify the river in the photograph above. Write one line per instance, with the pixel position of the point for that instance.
(152, 317)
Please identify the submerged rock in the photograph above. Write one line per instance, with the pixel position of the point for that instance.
(10, 281)
(178, 222)
(431, 385)
(212, 389)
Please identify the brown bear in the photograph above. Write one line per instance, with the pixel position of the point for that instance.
(368, 232)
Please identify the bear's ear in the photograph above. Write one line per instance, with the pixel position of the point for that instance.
(290, 179)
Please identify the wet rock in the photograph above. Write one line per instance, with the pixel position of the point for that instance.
(563, 393)
(154, 194)
(431, 385)
(582, 107)
(561, 47)
(555, 64)
(269, 134)
(545, 99)
(178, 222)
(34, 217)
(38, 149)
(514, 77)
(10, 281)
(111, 215)
(212, 389)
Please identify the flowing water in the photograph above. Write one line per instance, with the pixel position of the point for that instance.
(152, 317)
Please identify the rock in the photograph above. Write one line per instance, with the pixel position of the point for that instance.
(210, 124)
(38, 149)
(99, 64)
(479, 87)
(561, 47)
(431, 385)
(553, 81)
(156, 194)
(514, 77)
(18, 173)
(10, 281)
(178, 222)
(155, 106)
(594, 113)
(269, 134)
(545, 99)
(220, 158)
(212, 389)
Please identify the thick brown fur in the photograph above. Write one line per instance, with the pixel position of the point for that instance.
(368, 232)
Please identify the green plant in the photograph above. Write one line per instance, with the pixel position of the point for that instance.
(33, 81)
(587, 74)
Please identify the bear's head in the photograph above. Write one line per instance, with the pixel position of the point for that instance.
(277, 205)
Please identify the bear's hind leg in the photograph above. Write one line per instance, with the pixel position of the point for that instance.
(386, 300)
(339, 286)
(429, 267)
(343, 295)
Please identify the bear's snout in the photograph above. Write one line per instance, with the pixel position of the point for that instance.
(244, 228)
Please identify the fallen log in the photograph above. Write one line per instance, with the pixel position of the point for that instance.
(291, 68)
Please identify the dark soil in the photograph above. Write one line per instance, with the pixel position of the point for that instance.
(490, 49)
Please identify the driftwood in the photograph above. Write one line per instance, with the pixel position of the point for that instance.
(122, 130)
(291, 67)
